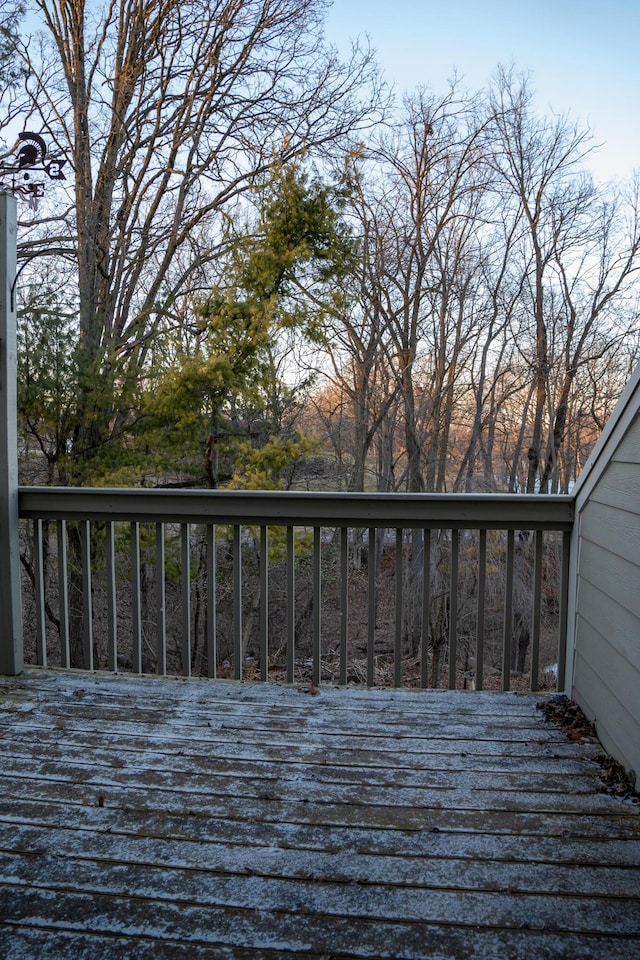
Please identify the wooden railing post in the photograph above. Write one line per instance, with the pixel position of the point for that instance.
(11, 649)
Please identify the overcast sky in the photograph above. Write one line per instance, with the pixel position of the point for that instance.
(583, 56)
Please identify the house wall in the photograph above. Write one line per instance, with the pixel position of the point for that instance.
(606, 615)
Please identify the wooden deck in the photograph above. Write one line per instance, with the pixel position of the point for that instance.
(144, 818)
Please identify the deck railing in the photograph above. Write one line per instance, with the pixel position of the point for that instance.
(428, 590)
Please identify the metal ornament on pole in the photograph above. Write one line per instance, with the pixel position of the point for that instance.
(31, 159)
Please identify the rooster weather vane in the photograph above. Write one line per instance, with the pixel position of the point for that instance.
(32, 154)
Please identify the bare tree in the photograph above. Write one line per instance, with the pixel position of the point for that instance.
(538, 162)
(598, 305)
(430, 190)
(357, 335)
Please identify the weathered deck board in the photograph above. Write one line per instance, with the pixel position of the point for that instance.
(167, 818)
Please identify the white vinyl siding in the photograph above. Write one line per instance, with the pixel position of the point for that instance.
(606, 643)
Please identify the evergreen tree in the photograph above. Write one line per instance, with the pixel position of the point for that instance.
(226, 396)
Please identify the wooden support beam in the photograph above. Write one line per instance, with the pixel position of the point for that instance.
(11, 645)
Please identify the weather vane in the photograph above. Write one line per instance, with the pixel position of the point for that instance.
(32, 154)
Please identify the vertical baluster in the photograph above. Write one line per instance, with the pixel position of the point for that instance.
(112, 628)
(344, 602)
(508, 612)
(482, 586)
(264, 603)
(87, 606)
(397, 649)
(185, 553)
(564, 603)
(291, 604)
(537, 595)
(453, 609)
(371, 629)
(161, 609)
(317, 604)
(38, 564)
(63, 593)
(136, 600)
(237, 602)
(212, 669)
(426, 607)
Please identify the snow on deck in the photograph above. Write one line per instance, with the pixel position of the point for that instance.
(157, 818)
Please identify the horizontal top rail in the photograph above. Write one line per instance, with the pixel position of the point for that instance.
(301, 508)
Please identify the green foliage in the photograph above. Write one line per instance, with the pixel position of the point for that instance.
(302, 240)
(281, 266)
(223, 397)
(269, 467)
(47, 376)
(50, 419)
(11, 14)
